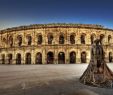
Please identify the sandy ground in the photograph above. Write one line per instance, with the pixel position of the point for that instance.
(45, 80)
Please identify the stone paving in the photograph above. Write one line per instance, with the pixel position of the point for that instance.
(57, 79)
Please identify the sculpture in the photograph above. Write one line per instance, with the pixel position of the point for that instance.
(97, 72)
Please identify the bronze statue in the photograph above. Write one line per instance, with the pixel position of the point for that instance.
(97, 72)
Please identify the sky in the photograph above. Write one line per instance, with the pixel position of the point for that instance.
(25, 12)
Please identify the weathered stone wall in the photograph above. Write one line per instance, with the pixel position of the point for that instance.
(6, 48)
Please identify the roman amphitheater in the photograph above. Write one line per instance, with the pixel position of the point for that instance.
(53, 43)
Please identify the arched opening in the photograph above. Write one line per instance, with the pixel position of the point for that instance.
(50, 58)
(83, 57)
(109, 39)
(83, 39)
(72, 57)
(29, 38)
(18, 58)
(3, 58)
(38, 59)
(39, 39)
(19, 40)
(4, 40)
(110, 57)
(9, 58)
(61, 39)
(28, 58)
(101, 38)
(61, 58)
(92, 38)
(11, 41)
(50, 39)
(72, 39)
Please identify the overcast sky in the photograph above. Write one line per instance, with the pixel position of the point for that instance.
(25, 12)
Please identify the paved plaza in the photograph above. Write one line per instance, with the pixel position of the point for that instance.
(56, 79)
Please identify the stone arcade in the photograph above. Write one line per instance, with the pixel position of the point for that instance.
(53, 43)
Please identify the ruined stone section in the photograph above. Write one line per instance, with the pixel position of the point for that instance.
(45, 43)
(97, 73)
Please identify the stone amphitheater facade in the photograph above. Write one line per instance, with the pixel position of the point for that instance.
(53, 43)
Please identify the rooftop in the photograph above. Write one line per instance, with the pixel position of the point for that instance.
(53, 25)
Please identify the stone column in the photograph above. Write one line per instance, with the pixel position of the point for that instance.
(33, 37)
(13, 57)
(78, 56)
(44, 57)
(24, 39)
(56, 57)
(32, 57)
(88, 39)
(88, 56)
(78, 40)
(24, 57)
(6, 58)
(66, 56)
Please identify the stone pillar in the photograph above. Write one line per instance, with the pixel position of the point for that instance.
(78, 40)
(88, 39)
(88, 56)
(32, 57)
(14, 57)
(67, 56)
(67, 39)
(56, 57)
(33, 38)
(24, 39)
(106, 55)
(6, 58)
(56, 38)
(44, 56)
(78, 56)
(24, 57)
(44, 39)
